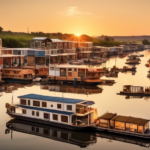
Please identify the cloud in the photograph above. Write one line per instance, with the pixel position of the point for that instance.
(71, 11)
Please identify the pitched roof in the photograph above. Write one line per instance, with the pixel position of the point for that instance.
(51, 98)
(126, 119)
(46, 110)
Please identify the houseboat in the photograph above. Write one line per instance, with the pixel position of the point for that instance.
(76, 74)
(81, 139)
(75, 114)
(17, 75)
(135, 90)
(61, 112)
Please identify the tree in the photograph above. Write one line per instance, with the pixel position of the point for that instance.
(1, 29)
(145, 42)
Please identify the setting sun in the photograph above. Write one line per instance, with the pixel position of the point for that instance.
(77, 34)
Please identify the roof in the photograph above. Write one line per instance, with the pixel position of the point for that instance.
(51, 98)
(129, 119)
(9, 55)
(39, 38)
(107, 116)
(46, 110)
(56, 40)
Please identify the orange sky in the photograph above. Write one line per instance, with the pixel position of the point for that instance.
(92, 17)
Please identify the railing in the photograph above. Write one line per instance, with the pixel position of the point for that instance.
(83, 111)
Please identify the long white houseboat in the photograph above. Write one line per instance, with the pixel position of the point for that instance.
(75, 114)
(61, 112)
(76, 73)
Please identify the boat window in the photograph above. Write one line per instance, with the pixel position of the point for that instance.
(24, 111)
(59, 106)
(55, 117)
(64, 119)
(36, 103)
(44, 104)
(69, 107)
(54, 133)
(75, 69)
(46, 131)
(37, 113)
(23, 102)
(64, 136)
(46, 116)
(33, 113)
(28, 102)
(51, 105)
(69, 69)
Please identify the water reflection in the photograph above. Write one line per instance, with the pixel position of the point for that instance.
(81, 139)
(79, 89)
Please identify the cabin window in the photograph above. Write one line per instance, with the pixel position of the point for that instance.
(59, 106)
(33, 113)
(36, 103)
(23, 102)
(69, 74)
(24, 111)
(69, 69)
(44, 104)
(51, 68)
(46, 116)
(55, 117)
(64, 119)
(75, 69)
(37, 113)
(51, 105)
(54, 133)
(69, 107)
(28, 102)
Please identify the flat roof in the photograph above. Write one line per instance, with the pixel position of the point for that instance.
(126, 119)
(46, 110)
(51, 98)
(8, 55)
(107, 116)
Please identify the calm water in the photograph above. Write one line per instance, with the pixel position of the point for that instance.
(108, 100)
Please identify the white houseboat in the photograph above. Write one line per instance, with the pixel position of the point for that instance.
(61, 112)
(77, 74)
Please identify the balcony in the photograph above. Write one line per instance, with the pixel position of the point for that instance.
(83, 111)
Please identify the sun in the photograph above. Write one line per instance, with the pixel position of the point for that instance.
(77, 34)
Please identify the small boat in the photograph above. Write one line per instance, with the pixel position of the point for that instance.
(38, 79)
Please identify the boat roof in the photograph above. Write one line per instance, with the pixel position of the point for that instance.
(46, 110)
(133, 85)
(126, 119)
(51, 98)
(107, 116)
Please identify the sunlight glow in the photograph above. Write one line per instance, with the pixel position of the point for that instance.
(77, 34)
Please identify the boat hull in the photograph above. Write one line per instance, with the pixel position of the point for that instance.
(17, 80)
(55, 124)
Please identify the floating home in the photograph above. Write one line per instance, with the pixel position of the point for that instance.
(61, 112)
(76, 74)
(17, 75)
(75, 114)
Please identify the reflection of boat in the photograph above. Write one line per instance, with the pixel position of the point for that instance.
(125, 139)
(79, 89)
(81, 139)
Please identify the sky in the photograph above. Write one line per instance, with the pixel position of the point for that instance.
(91, 17)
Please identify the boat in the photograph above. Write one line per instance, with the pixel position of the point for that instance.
(76, 74)
(38, 79)
(126, 68)
(18, 75)
(81, 139)
(135, 90)
(76, 115)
